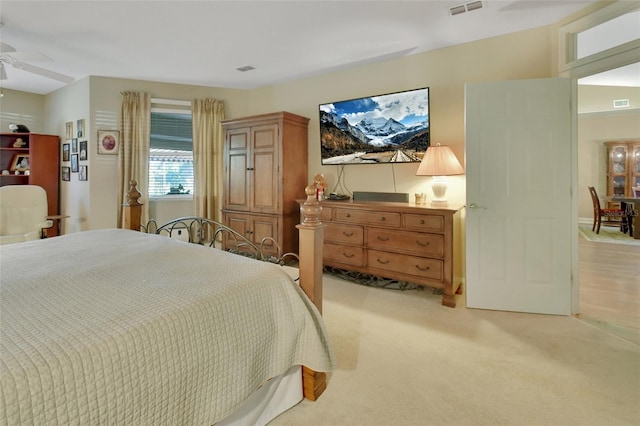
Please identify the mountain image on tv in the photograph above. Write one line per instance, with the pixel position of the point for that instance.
(391, 128)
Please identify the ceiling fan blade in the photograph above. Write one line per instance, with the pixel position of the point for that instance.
(43, 72)
(5, 48)
(30, 57)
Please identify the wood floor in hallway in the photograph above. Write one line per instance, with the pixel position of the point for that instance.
(609, 276)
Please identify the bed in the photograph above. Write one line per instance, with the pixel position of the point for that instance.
(123, 327)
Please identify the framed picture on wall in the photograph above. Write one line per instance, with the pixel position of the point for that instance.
(74, 146)
(108, 142)
(80, 125)
(66, 173)
(83, 150)
(74, 163)
(65, 151)
(69, 129)
(83, 173)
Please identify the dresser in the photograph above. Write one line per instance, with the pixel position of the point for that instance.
(399, 241)
(265, 158)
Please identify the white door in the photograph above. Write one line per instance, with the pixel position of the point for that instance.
(519, 203)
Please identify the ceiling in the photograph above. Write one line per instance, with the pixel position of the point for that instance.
(204, 42)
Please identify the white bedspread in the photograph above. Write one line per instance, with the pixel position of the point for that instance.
(116, 327)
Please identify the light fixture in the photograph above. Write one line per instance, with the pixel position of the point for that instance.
(439, 161)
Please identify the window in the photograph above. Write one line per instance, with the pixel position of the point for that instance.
(600, 41)
(171, 155)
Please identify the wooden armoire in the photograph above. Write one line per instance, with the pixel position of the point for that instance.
(265, 172)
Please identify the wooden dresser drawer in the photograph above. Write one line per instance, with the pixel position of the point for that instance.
(426, 223)
(347, 255)
(325, 214)
(421, 244)
(346, 234)
(412, 265)
(367, 217)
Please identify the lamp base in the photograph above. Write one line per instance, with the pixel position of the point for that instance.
(439, 188)
(439, 203)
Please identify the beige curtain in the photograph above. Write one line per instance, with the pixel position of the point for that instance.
(208, 138)
(133, 156)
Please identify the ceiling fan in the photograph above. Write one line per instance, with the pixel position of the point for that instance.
(18, 60)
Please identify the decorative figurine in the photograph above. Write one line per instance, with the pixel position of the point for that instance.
(18, 128)
(19, 143)
(320, 185)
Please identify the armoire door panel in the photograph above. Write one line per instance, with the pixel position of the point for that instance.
(238, 185)
(265, 182)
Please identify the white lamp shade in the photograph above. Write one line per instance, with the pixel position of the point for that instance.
(439, 160)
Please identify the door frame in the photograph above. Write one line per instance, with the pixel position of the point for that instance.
(571, 67)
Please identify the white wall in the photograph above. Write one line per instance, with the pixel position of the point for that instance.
(70, 104)
(22, 108)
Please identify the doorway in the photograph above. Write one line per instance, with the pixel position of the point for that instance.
(592, 48)
(609, 292)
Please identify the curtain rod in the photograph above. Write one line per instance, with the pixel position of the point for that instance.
(170, 102)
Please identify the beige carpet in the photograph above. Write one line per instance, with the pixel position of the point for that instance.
(404, 359)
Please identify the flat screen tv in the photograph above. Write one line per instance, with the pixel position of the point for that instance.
(390, 128)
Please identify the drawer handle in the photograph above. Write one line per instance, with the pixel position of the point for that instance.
(383, 238)
(383, 218)
(350, 234)
(348, 255)
(426, 268)
(421, 244)
(421, 221)
(384, 262)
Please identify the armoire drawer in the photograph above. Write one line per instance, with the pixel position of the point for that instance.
(346, 255)
(421, 244)
(413, 265)
(367, 217)
(346, 234)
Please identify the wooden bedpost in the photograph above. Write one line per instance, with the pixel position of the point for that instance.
(132, 208)
(311, 235)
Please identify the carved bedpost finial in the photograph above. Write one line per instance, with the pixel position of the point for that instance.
(311, 208)
(133, 195)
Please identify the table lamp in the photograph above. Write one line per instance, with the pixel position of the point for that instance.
(439, 162)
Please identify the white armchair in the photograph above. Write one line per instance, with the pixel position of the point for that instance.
(23, 213)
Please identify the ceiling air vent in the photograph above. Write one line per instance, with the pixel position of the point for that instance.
(621, 103)
(467, 7)
(245, 68)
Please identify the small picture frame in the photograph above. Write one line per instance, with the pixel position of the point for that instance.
(80, 125)
(66, 173)
(65, 151)
(108, 142)
(74, 163)
(83, 150)
(20, 163)
(69, 129)
(83, 173)
(74, 146)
